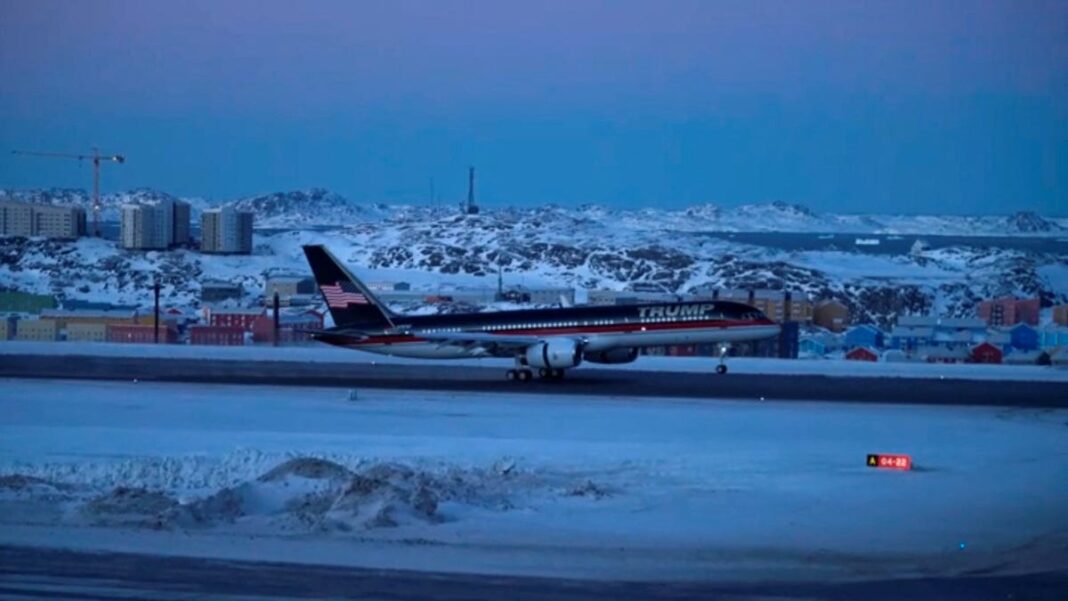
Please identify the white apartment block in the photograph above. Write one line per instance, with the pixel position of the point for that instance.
(156, 224)
(24, 219)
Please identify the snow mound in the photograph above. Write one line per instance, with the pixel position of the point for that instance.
(286, 494)
(307, 467)
(134, 507)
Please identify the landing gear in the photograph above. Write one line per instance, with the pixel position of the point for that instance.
(723, 350)
(551, 374)
(522, 375)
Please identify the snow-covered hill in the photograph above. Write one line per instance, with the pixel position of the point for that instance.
(320, 207)
(591, 248)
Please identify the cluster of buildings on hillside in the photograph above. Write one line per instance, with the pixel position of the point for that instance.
(98, 322)
(152, 224)
(1005, 331)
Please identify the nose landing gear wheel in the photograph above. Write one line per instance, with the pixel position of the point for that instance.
(721, 369)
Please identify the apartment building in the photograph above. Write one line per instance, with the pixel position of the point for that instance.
(25, 219)
(226, 230)
(156, 224)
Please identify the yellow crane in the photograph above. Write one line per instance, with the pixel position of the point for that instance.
(96, 158)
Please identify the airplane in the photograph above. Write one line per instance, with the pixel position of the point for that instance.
(549, 340)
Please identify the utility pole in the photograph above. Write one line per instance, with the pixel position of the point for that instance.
(155, 323)
(96, 158)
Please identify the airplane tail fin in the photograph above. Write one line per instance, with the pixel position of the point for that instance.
(347, 299)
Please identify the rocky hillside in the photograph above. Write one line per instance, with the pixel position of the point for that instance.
(590, 248)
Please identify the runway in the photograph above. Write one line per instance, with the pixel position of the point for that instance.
(589, 382)
(40, 573)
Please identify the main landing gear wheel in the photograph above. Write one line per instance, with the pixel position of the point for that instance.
(522, 375)
(721, 369)
(551, 373)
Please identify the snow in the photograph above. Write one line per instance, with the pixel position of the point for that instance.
(738, 365)
(562, 486)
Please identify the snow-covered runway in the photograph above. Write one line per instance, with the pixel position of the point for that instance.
(609, 488)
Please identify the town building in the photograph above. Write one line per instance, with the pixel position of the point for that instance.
(24, 302)
(217, 292)
(292, 327)
(50, 221)
(63, 318)
(86, 332)
(217, 335)
(949, 332)
(1023, 337)
(627, 297)
(864, 335)
(154, 224)
(910, 339)
(820, 343)
(1053, 336)
(831, 315)
(778, 305)
(235, 318)
(1009, 311)
(141, 333)
(985, 352)
(1060, 315)
(8, 327)
(941, 354)
(288, 286)
(862, 353)
(225, 230)
(38, 330)
(182, 219)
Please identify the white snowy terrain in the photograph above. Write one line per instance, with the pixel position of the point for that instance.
(520, 484)
(589, 247)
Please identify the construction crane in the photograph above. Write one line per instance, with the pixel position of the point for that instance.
(96, 158)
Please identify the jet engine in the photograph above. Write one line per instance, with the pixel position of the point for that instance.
(615, 355)
(556, 353)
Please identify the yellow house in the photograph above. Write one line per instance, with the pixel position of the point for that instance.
(40, 330)
(87, 332)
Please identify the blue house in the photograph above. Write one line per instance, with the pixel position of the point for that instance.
(910, 338)
(1023, 337)
(1054, 336)
(864, 335)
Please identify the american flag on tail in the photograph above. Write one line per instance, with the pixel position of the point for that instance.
(339, 298)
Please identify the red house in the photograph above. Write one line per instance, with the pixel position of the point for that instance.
(141, 334)
(237, 318)
(862, 353)
(217, 335)
(986, 353)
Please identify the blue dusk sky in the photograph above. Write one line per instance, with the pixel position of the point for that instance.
(896, 106)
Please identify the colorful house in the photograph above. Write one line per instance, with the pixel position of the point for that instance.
(1023, 337)
(1053, 336)
(862, 353)
(985, 352)
(864, 335)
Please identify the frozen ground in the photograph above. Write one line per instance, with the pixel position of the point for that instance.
(741, 365)
(564, 486)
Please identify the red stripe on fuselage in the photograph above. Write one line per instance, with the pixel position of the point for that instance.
(617, 328)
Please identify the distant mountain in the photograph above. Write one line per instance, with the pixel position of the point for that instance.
(1029, 222)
